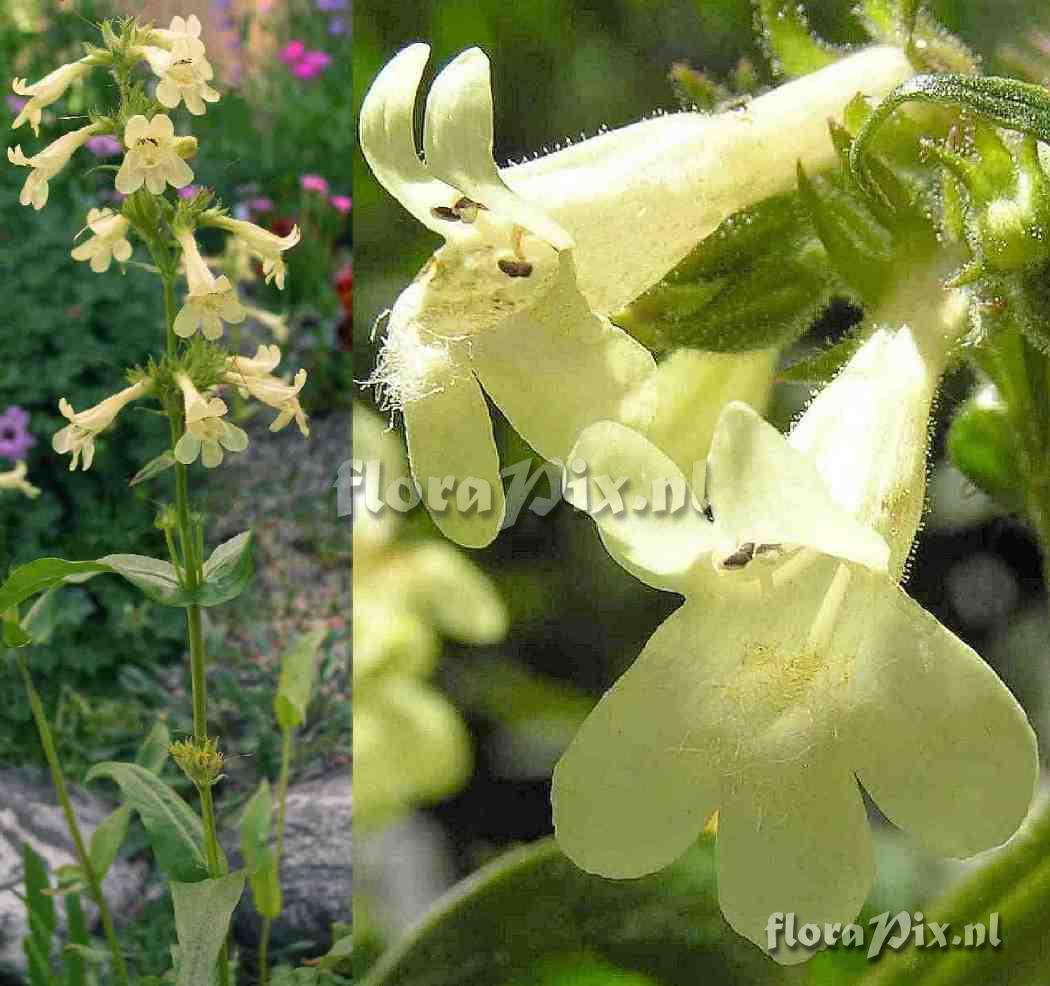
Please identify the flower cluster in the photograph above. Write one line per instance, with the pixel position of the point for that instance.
(15, 442)
(154, 158)
(797, 664)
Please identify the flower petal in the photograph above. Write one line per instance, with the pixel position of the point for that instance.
(939, 742)
(457, 138)
(387, 130)
(660, 548)
(637, 783)
(793, 836)
(449, 436)
(558, 367)
(765, 492)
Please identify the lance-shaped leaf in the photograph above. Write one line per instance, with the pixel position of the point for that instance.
(40, 910)
(175, 832)
(260, 862)
(297, 676)
(228, 571)
(154, 467)
(202, 919)
(795, 50)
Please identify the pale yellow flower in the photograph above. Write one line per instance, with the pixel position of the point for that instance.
(47, 91)
(48, 163)
(78, 437)
(206, 434)
(261, 243)
(254, 377)
(211, 300)
(183, 74)
(153, 157)
(109, 240)
(184, 31)
(15, 479)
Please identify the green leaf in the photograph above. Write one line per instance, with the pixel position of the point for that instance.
(260, 862)
(14, 635)
(175, 832)
(72, 958)
(297, 675)
(580, 970)
(228, 571)
(40, 910)
(154, 467)
(983, 446)
(56, 608)
(793, 48)
(202, 919)
(533, 905)
(1004, 102)
(107, 839)
(153, 754)
(338, 956)
(155, 578)
(822, 367)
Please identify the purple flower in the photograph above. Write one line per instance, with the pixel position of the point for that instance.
(16, 104)
(314, 183)
(104, 145)
(260, 204)
(189, 191)
(330, 5)
(337, 25)
(15, 439)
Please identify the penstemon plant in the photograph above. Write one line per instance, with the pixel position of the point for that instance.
(185, 368)
(798, 669)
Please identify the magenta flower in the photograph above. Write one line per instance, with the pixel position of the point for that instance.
(343, 203)
(260, 204)
(314, 183)
(292, 53)
(103, 145)
(189, 191)
(311, 65)
(15, 439)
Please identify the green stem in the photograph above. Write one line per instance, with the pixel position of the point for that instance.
(193, 575)
(282, 805)
(59, 781)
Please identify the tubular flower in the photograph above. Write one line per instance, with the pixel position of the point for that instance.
(48, 163)
(153, 157)
(184, 76)
(795, 667)
(48, 90)
(260, 242)
(182, 32)
(15, 479)
(206, 434)
(211, 300)
(253, 377)
(536, 254)
(109, 240)
(78, 437)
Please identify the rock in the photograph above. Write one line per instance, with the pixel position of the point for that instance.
(315, 870)
(29, 812)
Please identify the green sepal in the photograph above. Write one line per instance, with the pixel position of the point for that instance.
(1027, 297)
(929, 47)
(758, 281)
(822, 367)
(982, 444)
(792, 47)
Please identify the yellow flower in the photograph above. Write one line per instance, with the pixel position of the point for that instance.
(109, 240)
(153, 157)
(48, 163)
(211, 300)
(253, 377)
(184, 76)
(184, 32)
(261, 243)
(206, 434)
(15, 479)
(47, 91)
(78, 437)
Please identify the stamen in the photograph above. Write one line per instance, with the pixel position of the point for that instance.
(824, 624)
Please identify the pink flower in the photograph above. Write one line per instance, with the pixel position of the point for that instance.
(103, 145)
(342, 202)
(189, 191)
(312, 64)
(314, 183)
(292, 52)
(260, 204)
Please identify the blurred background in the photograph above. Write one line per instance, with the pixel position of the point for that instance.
(277, 149)
(575, 620)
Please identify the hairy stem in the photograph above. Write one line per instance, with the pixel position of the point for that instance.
(59, 781)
